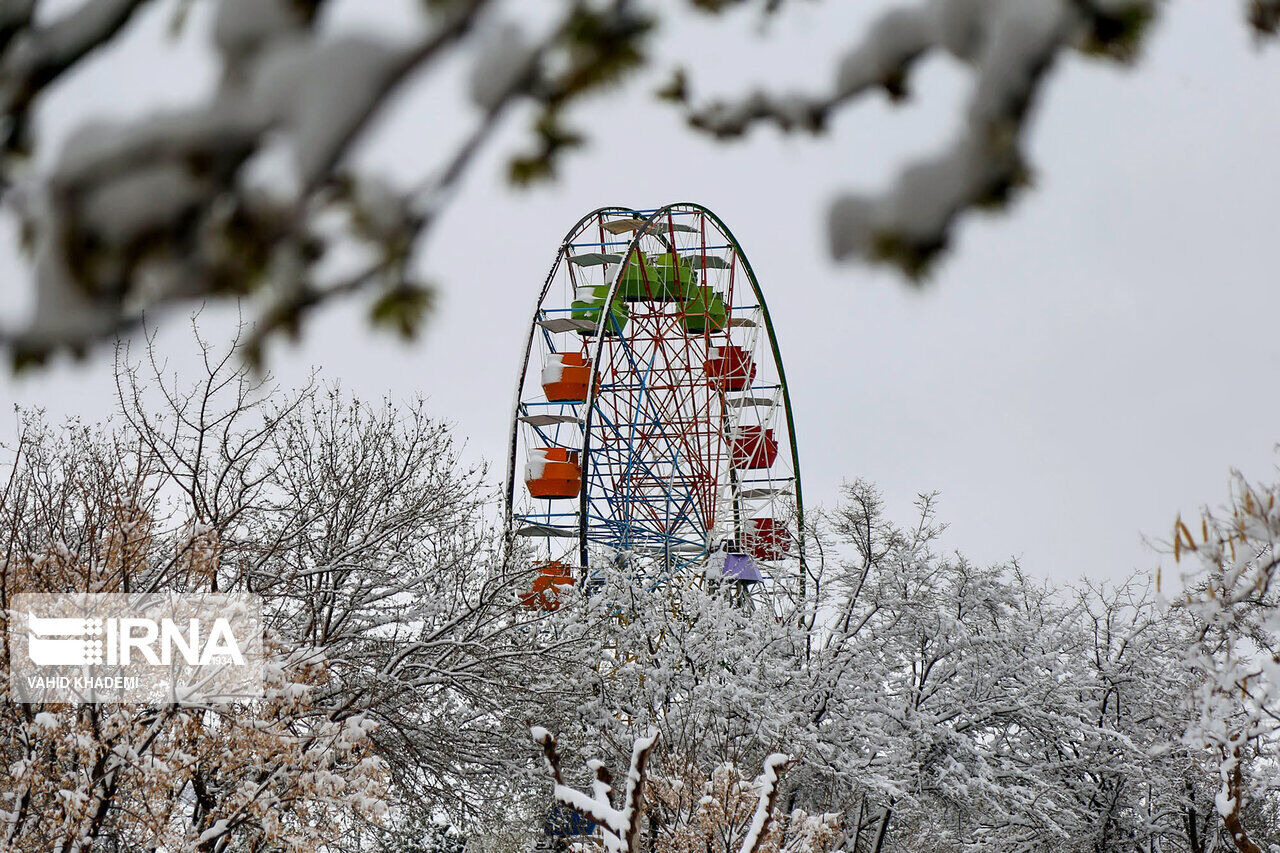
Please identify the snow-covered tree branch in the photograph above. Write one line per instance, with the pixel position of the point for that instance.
(168, 208)
(620, 827)
(1230, 588)
(175, 207)
(1010, 49)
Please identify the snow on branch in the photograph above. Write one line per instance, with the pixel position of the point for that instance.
(189, 204)
(768, 783)
(1009, 45)
(36, 55)
(184, 205)
(1231, 590)
(620, 828)
(165, 208)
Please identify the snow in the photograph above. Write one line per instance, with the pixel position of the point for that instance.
(536, 466)
(113, 186)
(242, 27)
(768, 784)
(895, 40)
(553, 368)
(127, 207)
(172, 179)
(1223, 801)
(615, 824)
(321, 93)
(715, 564)
(503, 57)
(218, 828)
(1007, 44)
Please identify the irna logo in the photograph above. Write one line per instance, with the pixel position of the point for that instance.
(166, 647)
(62, 641)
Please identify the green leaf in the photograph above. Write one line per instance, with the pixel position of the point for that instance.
(403, 309)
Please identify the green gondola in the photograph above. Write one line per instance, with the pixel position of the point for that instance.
(589, 305)
(661, 278)
(703, 311)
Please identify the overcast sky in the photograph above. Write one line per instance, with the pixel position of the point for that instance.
(1073, 376)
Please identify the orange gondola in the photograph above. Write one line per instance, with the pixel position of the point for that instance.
(565, 376)
(546, 589)
(553, 472)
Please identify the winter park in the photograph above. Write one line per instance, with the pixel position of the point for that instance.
(639, 426)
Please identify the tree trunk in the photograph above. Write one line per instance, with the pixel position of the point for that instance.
(856, 847)
(1191, 822)
(1235, 828)
(883, 832)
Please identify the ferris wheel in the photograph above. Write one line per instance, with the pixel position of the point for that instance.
(652, 424)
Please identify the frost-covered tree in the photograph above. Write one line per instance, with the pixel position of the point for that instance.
(176, 206)
(398, 653)
(931, 704)
(1229, 568)
(918, 702)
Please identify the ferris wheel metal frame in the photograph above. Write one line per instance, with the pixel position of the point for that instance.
(611, 515)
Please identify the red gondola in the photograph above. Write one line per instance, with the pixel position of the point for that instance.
(766, 539)
(730, 366)
(755, 447)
